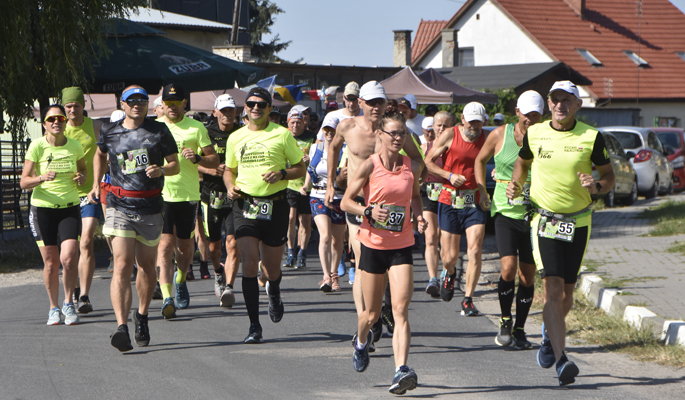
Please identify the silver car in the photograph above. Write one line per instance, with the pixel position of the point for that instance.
(643, 147)
(625, 185)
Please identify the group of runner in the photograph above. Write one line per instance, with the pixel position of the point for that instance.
(262, 180)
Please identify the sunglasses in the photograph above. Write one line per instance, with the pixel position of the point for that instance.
(132, 102)
(260, 104)
(398, 135)
(173, 103)
(374, 102)
(53, 118)
(351, 99)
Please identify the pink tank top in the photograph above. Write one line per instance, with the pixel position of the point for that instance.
(395, 189)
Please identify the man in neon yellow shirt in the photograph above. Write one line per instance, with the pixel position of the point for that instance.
(560, 154)
(181, 197)
(87, 132)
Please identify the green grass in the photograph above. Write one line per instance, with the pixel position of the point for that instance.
(668, 218)
(623, 282)
(678, 247)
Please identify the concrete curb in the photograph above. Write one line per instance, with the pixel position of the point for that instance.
(608, 299)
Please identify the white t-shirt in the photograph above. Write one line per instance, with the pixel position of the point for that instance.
(415, 126)
(334, 114)
(319, 188)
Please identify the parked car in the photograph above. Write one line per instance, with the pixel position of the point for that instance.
(674, 143)
(647, 154)
(625, 186)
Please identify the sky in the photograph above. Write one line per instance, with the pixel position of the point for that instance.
(355, 32)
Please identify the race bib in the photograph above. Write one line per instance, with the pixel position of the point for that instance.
(557, 228)
(433, 191)
(463, 199)
(524, 197)
(133, 161)
(258, 209)
(395, 219)
(218, 200)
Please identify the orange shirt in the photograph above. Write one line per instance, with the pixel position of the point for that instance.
(460, 159)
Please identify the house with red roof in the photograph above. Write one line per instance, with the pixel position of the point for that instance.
(633, 51)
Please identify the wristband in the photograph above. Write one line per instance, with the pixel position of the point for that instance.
(41, 178)
(450, 178)
(162, 170)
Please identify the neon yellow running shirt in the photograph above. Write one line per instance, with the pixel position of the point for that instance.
(85, 134)
(62, 192)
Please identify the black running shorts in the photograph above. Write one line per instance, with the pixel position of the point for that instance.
(49, 223)
(379, 261)
(180, 215)
(298, 201)
(273, 232)
(513, 238)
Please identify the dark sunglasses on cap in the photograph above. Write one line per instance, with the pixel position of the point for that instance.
(260, 104)
(56, 117)
(133, 102)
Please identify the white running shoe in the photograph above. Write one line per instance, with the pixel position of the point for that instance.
(54, 317)
(70, 316)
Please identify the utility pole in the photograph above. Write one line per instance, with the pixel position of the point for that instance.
(236, 22)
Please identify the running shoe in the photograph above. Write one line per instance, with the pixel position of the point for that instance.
(169, 308)
(567, 371)
(54, 317)
(545, 354)
(182, 294)
(325, 285)
(301, 262)
(377, 329)
(142, 335)
(85, 307)
(157, 294)
(289, 262)
(110, 268)
(70, 316)
(351, 275)
(219, 284)
(372, 347)
(254, 336)
(335, 284)
(227, 298)
(342, 268)
(276, 308)
(261, 278)
(520, 340)
(190, 276)
(121, 340)
(503, 337)
(360, 359)
(388, 320)
(204, 271)
(433, 287)
(468, 309)
(405, 379)
(447, 288)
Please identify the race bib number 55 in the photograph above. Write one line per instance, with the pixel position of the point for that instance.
(559, 229)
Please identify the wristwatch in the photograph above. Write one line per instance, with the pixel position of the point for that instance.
(367, 212)
(598, 186)
(161, 169)
(197, 158)
(284, 173)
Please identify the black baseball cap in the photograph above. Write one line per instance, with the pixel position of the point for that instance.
(173, 92)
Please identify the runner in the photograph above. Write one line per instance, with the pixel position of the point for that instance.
(60, 167)
(158, 108)
(459, 211)
(181, 196)
(330, 222)
(430, 191)
(511, 230)
(86, 131)
(216, 207)
(350, 108)
(137, 148)
(391, 187)
(256, 158)
(561, 153)
(414, 119)
(300, 210)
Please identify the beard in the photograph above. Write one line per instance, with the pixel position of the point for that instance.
(472, 134)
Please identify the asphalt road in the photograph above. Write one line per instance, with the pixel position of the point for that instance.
(308, 354)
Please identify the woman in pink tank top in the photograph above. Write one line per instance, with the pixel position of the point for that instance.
(391, 185)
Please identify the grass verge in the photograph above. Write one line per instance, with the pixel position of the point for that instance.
(668, 218)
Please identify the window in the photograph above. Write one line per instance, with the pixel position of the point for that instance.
(653, 142)
(681, 54)
(466, 57)
(591, 59)
(609, 144)
(665, 122)
(635, 58)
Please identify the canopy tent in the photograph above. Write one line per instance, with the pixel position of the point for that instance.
(460, 94)
(406, 82)
(141, 55)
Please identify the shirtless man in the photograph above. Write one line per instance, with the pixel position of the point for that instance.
(361, 135)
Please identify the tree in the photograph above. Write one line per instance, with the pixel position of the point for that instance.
(48, 45)
(262, 16)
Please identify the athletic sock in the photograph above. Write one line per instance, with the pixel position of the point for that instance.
(359, 345)
(203, 265)
(219, 271)
(141, 317)
(275, 287)
(181, 276)
(301, 253)
(524, 299)
(251, 296)
(466, 299)
(229, 286)
(505, 290)
(291, 252)
(123, 328)
(166, 290)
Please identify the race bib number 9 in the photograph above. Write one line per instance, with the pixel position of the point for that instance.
(258, 209)
(559, 229)
(524, 197)
(133, 161)
(395, 221)
(463, 199)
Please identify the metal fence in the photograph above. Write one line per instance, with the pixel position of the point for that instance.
(15, 202)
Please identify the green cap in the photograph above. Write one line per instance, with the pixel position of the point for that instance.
(73, 94)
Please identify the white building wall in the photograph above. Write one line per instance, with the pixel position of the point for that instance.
(495, 39)
(651, 110)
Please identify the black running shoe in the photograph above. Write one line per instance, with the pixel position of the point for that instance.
(388, 320)
(276, 308)
(121, 339)
(142, 335)
(85, 307)
(405, 379)
(503, 337)
(447, 288)
(520, 340)
(360, 359)
(157, 294)
(468, 309)
(255, 335)
(377, 329)
(567, 371)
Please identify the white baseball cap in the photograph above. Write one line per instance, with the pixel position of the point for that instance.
(372, 90)
(427, 123)
(301, 108)
(566, 86)
(157, 102)
(294, 114)
(530, 101)
(330, 121)
(498, 117)
(412, 100)
(223, 101)
(474, 111)
(117, 115)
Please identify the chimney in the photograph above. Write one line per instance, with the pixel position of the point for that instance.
(450, 48)
(402, 51)
(578, 7)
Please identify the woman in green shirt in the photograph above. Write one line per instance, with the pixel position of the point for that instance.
(53, 168)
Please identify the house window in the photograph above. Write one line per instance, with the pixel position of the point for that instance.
(681, 54)
(591, 59)
(635, 58)
(666, 122)
(466, 57)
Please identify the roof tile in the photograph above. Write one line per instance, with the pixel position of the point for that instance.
(425, 34)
